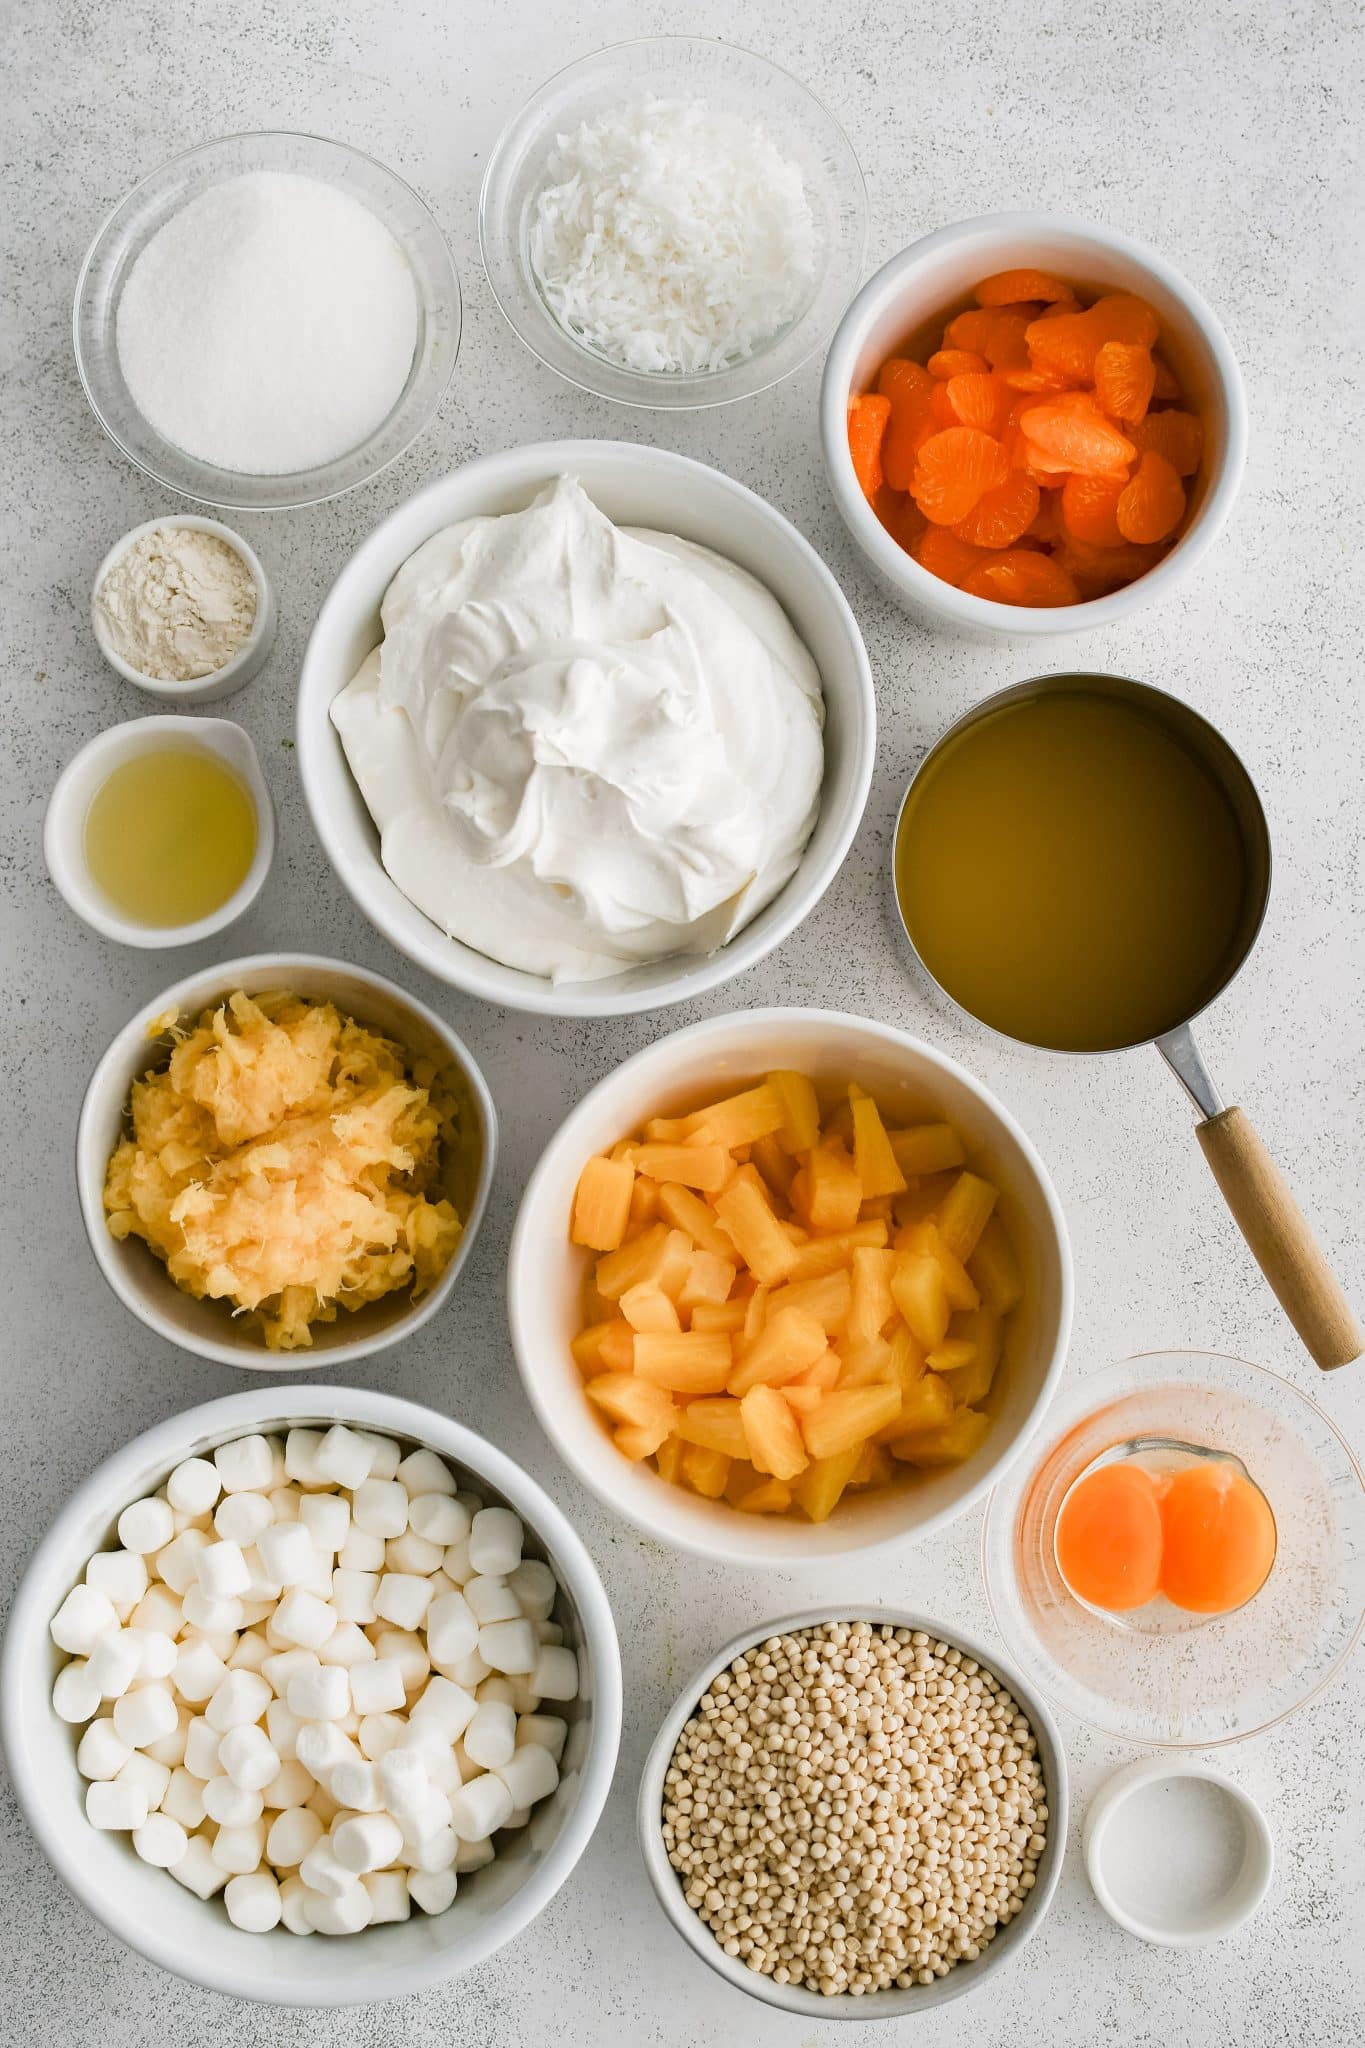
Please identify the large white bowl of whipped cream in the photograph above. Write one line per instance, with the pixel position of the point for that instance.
(586, 728)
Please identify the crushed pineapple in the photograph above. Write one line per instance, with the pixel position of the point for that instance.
(792, 1298)
(286, 1160)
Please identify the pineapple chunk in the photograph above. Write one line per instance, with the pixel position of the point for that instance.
(770, 1498)
(713, 1425)
(964, 1213)
(668, 1460)
(801, 1398)
(830, 1254)
(633, 1264)
(958, 1284)
(617, 1348)
(587, 1346)
(847, 1418)
(949, 1443)
(923, 1406)
(687, 1212)
(636, 1442)
(666, 1130)
(866, 1361)
(720, 1315)
(709, 1279)
(824, 1374)
(995, 1269)
(688, 1364)
(705, 1471)
(921, 1297)
(907, 1367)
(873, 1159)
(739, 1120)
(627, 1398)
(927, 1148)
(981, 1329)
(785, 1346)
(692, 1166)
(755, 1314)
(834, 1194)
(818, 1488)
(950, 1354)
(775, 1443)
(644, 1200)
(647, 1307)
(601, 1204)
(828, 1297)
(757, 1235)
(874, 1465)
(872, 1306)
(775, 1167)
(800, 1128)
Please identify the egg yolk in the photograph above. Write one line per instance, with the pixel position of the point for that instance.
(1218, 1539)
(1109, 1537)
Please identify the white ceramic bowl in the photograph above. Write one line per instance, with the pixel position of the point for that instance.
(544, 1275)
(75, 791)
(1203, 1887)
(933, 279)
(250, 657)
(877, 2005)
(145, 1907)
(207, 1328)
(635, 486)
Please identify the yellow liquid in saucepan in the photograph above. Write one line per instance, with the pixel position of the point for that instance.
(170, 835)
(1072, 872)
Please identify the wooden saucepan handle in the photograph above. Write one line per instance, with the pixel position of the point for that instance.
(1280, 1238)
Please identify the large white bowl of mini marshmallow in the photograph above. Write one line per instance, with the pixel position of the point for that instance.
(311, 1696)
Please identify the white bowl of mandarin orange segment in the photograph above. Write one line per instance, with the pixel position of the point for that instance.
(788, 1285)
(1032, 425)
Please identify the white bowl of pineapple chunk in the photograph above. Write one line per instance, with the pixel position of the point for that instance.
(789, 1284)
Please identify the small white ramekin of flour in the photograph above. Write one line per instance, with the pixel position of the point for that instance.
(182, 608)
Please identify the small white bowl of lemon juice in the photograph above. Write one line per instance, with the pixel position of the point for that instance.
(160, 832)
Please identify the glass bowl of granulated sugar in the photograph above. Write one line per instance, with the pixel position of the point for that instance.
(267, 321)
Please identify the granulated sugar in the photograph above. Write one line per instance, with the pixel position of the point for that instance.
(269, 326)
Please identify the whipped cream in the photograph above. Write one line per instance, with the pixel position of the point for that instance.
(584, 746)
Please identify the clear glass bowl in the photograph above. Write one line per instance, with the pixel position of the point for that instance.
(1234, 1675)
(730, 81)
(150, 205)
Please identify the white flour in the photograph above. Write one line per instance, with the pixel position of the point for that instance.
(177, 604)
(269, 326)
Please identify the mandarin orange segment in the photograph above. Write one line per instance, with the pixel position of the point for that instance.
(868, 415)
(1165, 386)
(979, 400)
(910, 389)
(1179, 436)
(1064, 343)
(1090, 508)
(1001, 516)
(1108, 1538)
(955, 362)
(1121, 316)
(1096, 571)
(901, 517)
(1021, 576)
(1010, 287)
(1033, 380)
(1078, 436)
(1124, 379)
(953, 471)
(1152, 504)
(943, 552)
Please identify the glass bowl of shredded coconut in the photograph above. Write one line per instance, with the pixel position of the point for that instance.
(673, 222)
(267, 321)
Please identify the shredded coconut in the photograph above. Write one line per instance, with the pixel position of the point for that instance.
(671, 238)
(177, 604)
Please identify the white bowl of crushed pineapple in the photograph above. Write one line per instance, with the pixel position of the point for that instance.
(753, 1372)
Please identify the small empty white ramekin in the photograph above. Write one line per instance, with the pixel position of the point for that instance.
(250, 657)
(1109, 1861)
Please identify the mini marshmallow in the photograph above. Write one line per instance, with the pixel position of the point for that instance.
(197, 1870)
(115, 1806)
(385, 1453)
(491, 1737)
(469, 1671)
(284, 1504)
(158, 1610)
(183, 1799)
(210, 1615)
(403, 1783)
(491, 1600)
(147, 1714)
(554, 1675)
(452, 1628)
(353, 1594)
(411, 1553)
(304, 1619)
(347, 1645)
(379, 1733)
(114, 1663)
(497, 1688)
(432, 1890)
(246, 1466)
(290, 1786)
(292, 1836)
(377, 1687)
(282, 1665)
(243, 1696)
(423, 1472)
(327, 1519)
(354, 1784)
(480, 1808)
(321, 1802)
(511, 1646)
(472, 1856)
(433, 1851)
(380, 1507)
(456, 1563)
(403, 1599)
(438, 1518)
(201, 1748)
(495, 1539)
(548, 1631)
(448, 1768)
(409, 1652)
(293, 1892)
(321, 1872)
(194, 1487)
(147, 1776)
(525, 1698)
(169, 1749)
(83, 1617)
(157, 1653)
(242, 1517)
(231, 1805)
(546, 1731)
(121, 1575)
(448, 1707)
(345, 1457)
(160, 1840)
(237, 1850)
(347, 1914)
(102, 1751)
(146, 1525)
(321, 1746)
(534, 1585)
(361, 1552)
(367, 1841)
(248, 1757)
(388, 1892)
(251, 1652)
(323, 1694)
(530, 1775)
(301, 1448)
(176, 1561)
(222, 1571)
(253, 1902)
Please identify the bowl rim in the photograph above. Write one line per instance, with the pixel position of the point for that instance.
(477, 974)
(258, 1408)
(247, 497)
(222, 737)
(250, 656)
(1258, 1869)
(793, 1998)
(711, 391)
(746, 1544)
(89, 1190)
(898, 569)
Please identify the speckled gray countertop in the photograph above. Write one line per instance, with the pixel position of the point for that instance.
(1226, 132)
